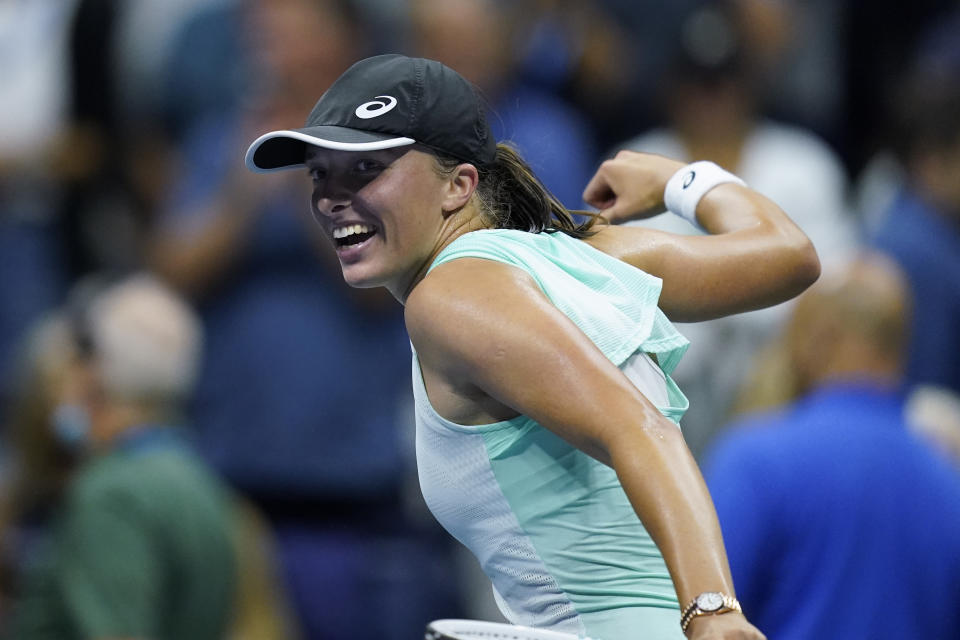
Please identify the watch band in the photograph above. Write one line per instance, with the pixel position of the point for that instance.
(708, 603)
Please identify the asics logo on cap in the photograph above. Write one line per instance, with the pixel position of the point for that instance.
(376, 107)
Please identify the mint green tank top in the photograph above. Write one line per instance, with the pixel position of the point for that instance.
(551, 527)
(612, 302)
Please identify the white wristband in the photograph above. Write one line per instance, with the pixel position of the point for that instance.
(688, 185)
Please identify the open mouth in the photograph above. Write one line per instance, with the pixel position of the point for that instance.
(352, 235)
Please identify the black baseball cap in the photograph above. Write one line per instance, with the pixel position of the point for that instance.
(383, 102)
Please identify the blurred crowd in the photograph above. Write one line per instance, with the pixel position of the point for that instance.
(123, 125)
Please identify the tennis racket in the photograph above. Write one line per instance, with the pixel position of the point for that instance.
(453, 629)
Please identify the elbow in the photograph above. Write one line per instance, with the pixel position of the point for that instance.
(654, 438)
(796, 258)
(806, 268)
(797, 255)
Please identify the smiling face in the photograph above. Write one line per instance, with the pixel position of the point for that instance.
(384, 211)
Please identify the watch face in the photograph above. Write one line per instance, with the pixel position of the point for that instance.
(710, 601)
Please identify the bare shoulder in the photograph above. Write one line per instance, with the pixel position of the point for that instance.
(639, 246)
(463, 305)
(460, 280)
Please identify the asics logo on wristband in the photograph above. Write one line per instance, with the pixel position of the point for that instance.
(376, 107)
(690, 183)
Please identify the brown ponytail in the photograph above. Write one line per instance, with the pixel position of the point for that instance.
(512, 196)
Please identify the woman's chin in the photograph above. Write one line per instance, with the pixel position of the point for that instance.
(360, 278)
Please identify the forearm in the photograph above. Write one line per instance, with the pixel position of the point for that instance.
(665, 487)
(194, 262)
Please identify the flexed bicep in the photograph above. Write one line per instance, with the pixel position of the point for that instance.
(753, 257)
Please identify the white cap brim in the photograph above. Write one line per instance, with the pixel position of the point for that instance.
(285, 149)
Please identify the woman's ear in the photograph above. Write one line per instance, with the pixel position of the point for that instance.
(460, 186)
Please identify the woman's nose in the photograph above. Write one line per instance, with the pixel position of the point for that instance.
(331, 205)
(329, 202)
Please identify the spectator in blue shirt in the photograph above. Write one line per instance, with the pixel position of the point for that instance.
(838, 521)
(921, 228)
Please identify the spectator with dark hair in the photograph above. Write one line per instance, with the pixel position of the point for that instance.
(921, 228)
(36, 466)
(839, 521)
(554, 137)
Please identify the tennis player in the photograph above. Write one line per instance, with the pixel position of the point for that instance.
(547, 423)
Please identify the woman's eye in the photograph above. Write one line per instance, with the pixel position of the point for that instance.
(368, 165)
(317, 174)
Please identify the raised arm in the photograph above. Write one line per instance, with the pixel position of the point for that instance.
(502, 339)
(754, 257)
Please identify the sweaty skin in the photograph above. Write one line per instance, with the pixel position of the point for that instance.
(498, 347)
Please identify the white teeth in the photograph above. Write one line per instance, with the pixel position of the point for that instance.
(343, 232)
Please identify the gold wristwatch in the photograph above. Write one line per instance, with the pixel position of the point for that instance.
(709, 603)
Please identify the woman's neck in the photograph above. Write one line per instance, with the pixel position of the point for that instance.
(458, 223)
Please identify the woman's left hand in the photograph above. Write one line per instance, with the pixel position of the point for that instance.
(727, 626)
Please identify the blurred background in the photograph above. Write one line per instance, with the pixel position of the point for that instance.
(123, 125)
